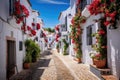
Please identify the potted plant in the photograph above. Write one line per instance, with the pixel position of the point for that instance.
(35, 52)
(78, 56)
(66, 45)
(27, 61)
(33, 49)
(57, 46)
(100, 48)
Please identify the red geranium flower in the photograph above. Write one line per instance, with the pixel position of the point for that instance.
(101, 32)
(57, 27)
(38, 26)
(56, 39)
(28, 28)
(23, 27)
(106, 23)
(72, 21)
(46, 40)
(33, 24)
(112, 15)
(44, 34)
(33, 32)
(18, 21)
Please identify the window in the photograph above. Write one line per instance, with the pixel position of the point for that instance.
(11, 7)
(89, 35)
(20, 45)
(41, 34)
(66, 23)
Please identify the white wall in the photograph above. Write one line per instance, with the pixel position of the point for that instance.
(17, 34)
(114, 50)
(86, 49)
(5, 30)
(72, 12)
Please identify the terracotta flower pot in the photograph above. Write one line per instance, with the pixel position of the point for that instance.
(78, 60)
(99, 63)
(26, 65)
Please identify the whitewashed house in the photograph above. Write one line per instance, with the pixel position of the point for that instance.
(12, 50)
(65, 18)
(113, 50)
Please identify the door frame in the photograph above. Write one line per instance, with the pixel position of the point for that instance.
(9, 39)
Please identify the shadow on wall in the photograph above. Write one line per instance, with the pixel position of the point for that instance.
(114, 42)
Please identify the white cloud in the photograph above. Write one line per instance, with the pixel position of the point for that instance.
(52, 2)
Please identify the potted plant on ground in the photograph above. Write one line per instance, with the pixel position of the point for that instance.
(66, 45)
(78, 56)
(27, 61)
(99, 58)
(32, 51)
(57, 46)
(35, 52)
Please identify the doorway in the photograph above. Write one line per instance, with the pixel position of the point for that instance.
(11, 58)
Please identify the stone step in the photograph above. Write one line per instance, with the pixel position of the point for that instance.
(105, 71)
(99, 72)
(109, 77)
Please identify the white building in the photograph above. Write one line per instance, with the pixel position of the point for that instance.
(113, 48)
(12, 38)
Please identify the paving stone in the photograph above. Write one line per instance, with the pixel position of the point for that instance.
(79, 71)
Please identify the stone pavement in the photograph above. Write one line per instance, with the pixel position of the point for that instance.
(56, 70)
(53, 66)
(79, 71)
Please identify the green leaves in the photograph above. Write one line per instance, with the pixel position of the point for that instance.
(32, 50)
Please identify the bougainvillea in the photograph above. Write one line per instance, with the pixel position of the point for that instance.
(33, 24)
(100, 45)
(57, 28)
(111, 11)
(110, 8)
(38, 26)
(20, 12)
(76, 32)
(33, 32)
(28, 28)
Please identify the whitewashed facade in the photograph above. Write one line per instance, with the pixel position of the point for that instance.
(113, 45)
(11, 32)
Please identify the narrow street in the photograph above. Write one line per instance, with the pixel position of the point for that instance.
(51, 68)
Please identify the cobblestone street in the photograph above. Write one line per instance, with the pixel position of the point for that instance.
(50, 67)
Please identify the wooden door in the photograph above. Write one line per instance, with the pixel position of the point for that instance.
(11, 58)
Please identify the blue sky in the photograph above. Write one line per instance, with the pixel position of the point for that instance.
(50, 10)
